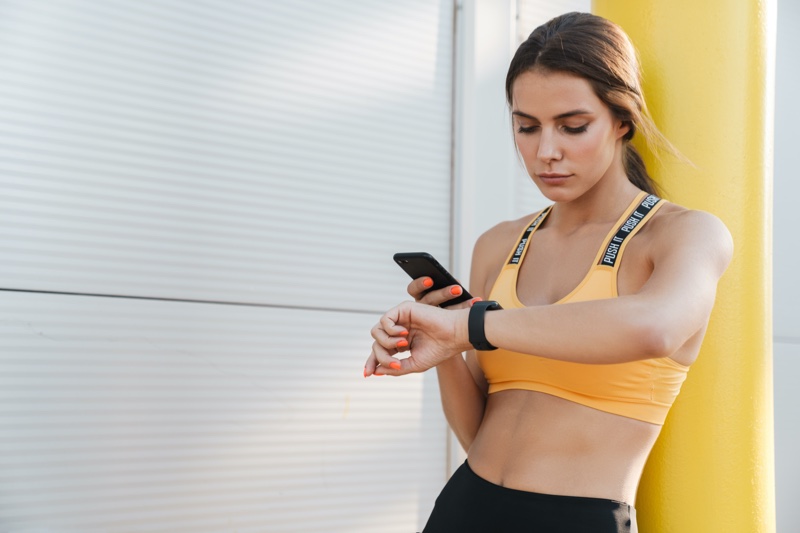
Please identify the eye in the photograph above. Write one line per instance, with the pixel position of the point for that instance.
(575, 131)
(527, 129)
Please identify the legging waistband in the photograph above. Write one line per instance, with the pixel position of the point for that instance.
(470, 504)
(544, 497)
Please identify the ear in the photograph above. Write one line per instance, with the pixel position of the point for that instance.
(623, 127)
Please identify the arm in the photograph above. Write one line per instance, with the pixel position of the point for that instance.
(463, 400)
(672, 305)
(462, 385)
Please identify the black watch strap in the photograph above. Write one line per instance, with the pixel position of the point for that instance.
(475, 324)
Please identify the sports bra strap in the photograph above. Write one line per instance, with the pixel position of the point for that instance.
(519, 251)
(628, 228)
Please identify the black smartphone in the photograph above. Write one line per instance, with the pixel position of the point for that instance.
(420, 264)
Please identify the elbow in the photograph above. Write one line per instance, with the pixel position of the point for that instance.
(465, 442)
(465, 437)
(656, 340)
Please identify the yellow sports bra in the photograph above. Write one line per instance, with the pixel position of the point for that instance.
(642, 390)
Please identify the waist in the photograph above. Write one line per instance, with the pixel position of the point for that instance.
(536, 442)
(544, 497)
(470, 503)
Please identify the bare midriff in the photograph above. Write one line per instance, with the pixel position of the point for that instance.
(536, 442)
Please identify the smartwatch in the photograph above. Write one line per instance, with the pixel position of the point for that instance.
(475, 324)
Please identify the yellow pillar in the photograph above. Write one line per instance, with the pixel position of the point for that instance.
(709, 81)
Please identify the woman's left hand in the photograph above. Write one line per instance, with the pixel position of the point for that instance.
(429, 334)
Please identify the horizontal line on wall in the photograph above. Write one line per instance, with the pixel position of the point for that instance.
(785, 339)
(193, 301)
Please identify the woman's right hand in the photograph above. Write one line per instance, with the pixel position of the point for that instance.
(416, 289)
(427, 335)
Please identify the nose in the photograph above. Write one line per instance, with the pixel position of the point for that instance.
(548, 147)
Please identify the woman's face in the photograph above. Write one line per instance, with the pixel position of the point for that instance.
(566, 135)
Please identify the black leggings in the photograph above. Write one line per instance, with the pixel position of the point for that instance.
(469, 503)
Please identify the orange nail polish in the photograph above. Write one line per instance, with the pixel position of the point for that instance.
(475, 300)
(402, 343)
(365, 372)
(455, 291)
(396, 365)
(403, 333)
(428, 283)
(376, 373)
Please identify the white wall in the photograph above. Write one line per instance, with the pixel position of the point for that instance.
(199, 202)
(786, 267)
(490, 183)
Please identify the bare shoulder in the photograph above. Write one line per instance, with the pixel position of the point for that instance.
(675, 228)
(490, 252)
(502, 236)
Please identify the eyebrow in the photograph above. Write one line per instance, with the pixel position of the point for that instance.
(557, 117)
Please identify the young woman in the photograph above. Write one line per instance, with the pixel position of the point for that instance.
(605, 299)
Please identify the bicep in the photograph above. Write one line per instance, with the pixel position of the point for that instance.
(681, 291)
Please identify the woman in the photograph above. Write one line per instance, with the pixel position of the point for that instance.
(606, 296)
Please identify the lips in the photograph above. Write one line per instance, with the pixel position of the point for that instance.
(547, 175)
(553, 178)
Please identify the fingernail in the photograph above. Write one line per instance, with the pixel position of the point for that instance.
(455, 291)
(365, 371)
(427, 283)
(403, 333)
(396, 365)
(376, 373)
(402, 343)
(475, 300)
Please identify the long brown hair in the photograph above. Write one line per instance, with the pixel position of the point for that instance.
(599, 51)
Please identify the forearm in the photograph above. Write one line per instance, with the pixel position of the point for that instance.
(462, 400)
(599, 331)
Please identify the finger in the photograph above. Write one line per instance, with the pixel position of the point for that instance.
(439, 296)
(465, 305)
(372, 367)
(390, 337)
(417, 288)
(389, 325)
(398, 341)
(399, 367)
(387, 364)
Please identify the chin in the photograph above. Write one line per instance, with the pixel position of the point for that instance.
(559, 194)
